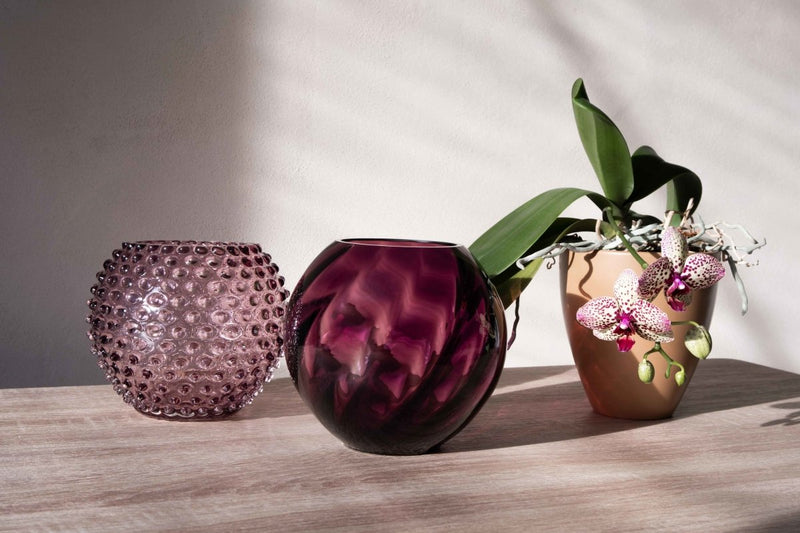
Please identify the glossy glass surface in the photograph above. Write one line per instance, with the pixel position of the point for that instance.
(394, 345)
(187, 329)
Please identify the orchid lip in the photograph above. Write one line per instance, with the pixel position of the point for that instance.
(625, 343)
(675, 304)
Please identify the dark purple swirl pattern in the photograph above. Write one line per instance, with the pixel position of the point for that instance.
(394, 345)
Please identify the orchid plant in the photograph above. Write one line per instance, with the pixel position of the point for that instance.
(512, 250)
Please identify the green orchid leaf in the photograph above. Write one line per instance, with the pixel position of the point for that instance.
(644, 220)
(607, 230)
(650, 173)
(683, 188)
(512, 281)
(567, 226)
(645, 150)
(554, 233)
(557, 231)
(604, 145)
(508, 240)
(510, 289)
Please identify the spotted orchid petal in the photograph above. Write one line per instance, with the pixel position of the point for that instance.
(598, 313)
(624, 342)
(654, 278)
(677, 272)
(674, 247)
(606, 334)
(651, 323)
(619, 319)
(626, 290)
(701, 271)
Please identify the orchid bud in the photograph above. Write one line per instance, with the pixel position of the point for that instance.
(698, 341)
(680, 378)
(646, 371)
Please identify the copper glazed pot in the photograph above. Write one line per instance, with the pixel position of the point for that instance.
(609, 376)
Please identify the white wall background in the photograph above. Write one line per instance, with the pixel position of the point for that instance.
(293, 123)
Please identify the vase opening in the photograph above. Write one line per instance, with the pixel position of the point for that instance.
(399, 243)
(244, 247)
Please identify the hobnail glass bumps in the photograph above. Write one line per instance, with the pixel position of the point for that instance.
(187, 329)
(394, 345)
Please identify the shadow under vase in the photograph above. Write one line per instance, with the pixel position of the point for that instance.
(539, 404)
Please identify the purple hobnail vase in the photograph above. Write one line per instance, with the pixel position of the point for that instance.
(187, 329)
(394, 344)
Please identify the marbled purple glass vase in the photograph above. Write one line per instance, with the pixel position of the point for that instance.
(185, 328)
(394, 345)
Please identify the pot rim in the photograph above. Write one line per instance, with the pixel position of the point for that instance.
(655, 253)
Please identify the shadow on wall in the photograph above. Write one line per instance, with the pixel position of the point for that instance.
(121, 121)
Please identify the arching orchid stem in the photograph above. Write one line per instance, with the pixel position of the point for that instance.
(650, 351)
(625, 242)
(670, 361)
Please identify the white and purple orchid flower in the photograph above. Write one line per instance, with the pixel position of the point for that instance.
(676, 274)
(619, 318)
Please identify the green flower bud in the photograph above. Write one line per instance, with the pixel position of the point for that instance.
(680, 378)
(698, 341)
(646, 371)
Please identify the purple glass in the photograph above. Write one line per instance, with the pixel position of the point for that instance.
(394, 344)
(187, 329)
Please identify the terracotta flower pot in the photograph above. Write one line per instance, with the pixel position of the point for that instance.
(609, 376)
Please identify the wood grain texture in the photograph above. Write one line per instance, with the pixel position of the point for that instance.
(536, 458)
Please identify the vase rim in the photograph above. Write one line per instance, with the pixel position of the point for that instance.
(178, 242)
(398, 243)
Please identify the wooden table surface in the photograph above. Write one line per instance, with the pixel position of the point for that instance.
(535, 459)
